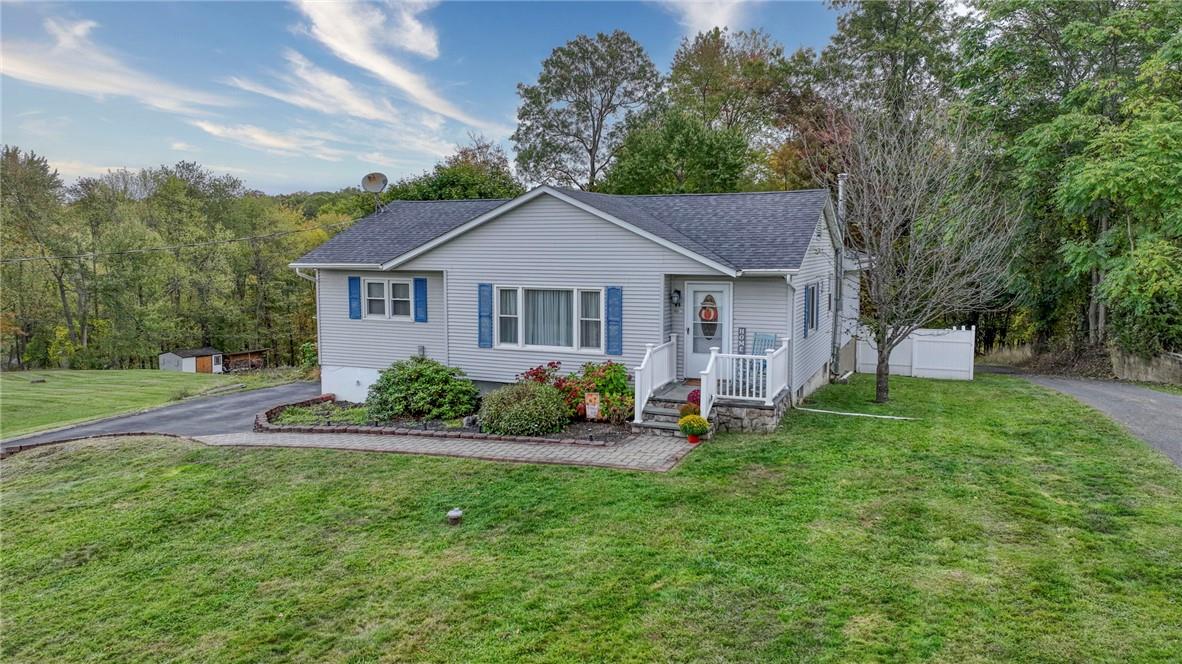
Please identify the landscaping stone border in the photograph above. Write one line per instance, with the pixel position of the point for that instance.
(263, 424)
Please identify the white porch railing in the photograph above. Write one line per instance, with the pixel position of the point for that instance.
(745, 377)
(658, 368)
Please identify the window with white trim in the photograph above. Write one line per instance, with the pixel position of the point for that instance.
(590, 319)
(375, 299)
(814, 295)
(400, 299)
(389, 299)
(550, 318)
(507, 316)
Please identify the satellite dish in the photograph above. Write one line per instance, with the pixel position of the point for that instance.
(374, 183)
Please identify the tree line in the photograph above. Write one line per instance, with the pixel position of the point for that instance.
(1073, 111)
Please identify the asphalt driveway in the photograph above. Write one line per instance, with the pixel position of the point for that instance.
(1152, 416)
(228, 413)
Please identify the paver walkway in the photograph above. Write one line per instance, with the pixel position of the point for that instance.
(652, 453)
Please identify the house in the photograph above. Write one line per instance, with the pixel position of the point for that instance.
(192, 360)
(735, 290)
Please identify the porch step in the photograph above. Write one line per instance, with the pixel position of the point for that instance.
(658, 428)
(661, 414)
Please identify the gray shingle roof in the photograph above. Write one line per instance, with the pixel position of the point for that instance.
(398, 228)
(744, 231)
(196, 352)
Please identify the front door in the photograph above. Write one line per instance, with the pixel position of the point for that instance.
(707, 324)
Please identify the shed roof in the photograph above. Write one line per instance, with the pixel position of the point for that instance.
(196, 352)
(744, 231)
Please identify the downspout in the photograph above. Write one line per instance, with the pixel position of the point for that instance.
(838, 276)
(792, 338)
(315, 279)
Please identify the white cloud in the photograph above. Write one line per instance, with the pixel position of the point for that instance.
(360, 34)
(698, 17)
(73, 169)
(409, 33)
(286, 144)
(181, 146)
(311, 87)
(75, 63)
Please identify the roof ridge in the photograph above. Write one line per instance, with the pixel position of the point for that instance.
(705, 193)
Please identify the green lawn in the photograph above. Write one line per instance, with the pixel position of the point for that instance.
(72, 396)
(1009, 524)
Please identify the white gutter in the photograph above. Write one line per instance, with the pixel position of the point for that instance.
(301, 275)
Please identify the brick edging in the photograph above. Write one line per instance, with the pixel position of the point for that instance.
(263, 424)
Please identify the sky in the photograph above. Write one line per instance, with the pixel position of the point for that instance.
(309, 95)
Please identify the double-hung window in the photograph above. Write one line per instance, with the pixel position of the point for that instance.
(400, 304)
(375, 299)
(389, 299)
(550, 317)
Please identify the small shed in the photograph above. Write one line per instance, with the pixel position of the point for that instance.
(245, 360)
(192, 360)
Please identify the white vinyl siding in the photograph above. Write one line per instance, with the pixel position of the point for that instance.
(374, 343)
(547, 243)
(812, 353)
(759, 304)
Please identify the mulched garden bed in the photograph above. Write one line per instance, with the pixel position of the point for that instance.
(344, 414)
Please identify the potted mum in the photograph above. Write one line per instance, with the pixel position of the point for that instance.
(694, 427)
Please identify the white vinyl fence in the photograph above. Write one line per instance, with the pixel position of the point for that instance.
(926, 353)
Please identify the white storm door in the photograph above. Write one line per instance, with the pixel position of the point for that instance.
(707, 323)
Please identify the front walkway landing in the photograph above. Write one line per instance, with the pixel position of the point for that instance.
(652, 453)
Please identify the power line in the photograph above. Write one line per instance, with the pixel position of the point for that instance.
(173, 247)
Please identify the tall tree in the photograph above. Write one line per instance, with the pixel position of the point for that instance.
(1059, 83)
(569, 122)
(936, 232)
(673, 152)
(728, 80)
(891, 51)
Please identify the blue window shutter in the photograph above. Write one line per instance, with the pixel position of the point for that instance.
(808, 302)
(484, 322)
(420, 300)
(614, 335)
(355, 297)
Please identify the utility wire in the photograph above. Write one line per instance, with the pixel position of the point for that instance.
(173, 247)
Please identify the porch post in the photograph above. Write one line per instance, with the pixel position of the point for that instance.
(768, 397)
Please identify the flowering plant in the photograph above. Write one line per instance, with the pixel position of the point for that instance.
(695, 397)
(693, 425)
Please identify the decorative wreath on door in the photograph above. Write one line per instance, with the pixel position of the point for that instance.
(708, 316)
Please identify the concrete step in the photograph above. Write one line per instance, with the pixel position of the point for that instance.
(664, 429)
(658, 429)
(659, 414)
(658, 402)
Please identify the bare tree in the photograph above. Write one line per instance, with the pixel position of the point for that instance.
(920, 203)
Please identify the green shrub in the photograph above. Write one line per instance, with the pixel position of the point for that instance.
(524, 409)
(308, 356)
(607, 378)
(421, 388)
(617, 408)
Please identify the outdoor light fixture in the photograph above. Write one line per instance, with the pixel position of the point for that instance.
(454, 516)
(675, 298)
